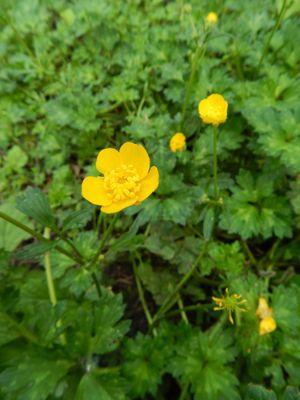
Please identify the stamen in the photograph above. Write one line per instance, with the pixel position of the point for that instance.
(122, 183)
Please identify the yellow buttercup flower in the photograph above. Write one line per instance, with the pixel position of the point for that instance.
(126, 179)
(267, 325)
(230, 302)
(177, 142)
(213, 109)
(265, 314)
(211, 18)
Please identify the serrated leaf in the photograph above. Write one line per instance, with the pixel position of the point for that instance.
(34, 377)
(35, 250)
(257, 392)
(96, 386)
(34, 204)
(291, 393)
(77, 219)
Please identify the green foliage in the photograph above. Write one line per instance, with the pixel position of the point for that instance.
(77, 319)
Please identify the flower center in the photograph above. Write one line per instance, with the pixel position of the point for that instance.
(122, 183)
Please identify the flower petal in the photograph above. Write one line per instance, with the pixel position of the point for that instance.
(116, 207)
(107, 160)
(92, 189)
(149, 184)
(136, 155)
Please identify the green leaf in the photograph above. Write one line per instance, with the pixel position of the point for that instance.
(34, 204)
(257, 392)
(8, 329)
(96, 326)
(35, 250)
(77, 219)
(33, 377)
(96, 386)
(16, 159)
(10, 235)
(202, 363)
(291, 393)
(254, 209)
(145, 361)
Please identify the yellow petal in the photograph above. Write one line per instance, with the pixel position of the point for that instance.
(92, 189)
(136, 155)
(267, 325)
(107, 160)
(118, 206)
(149, 184)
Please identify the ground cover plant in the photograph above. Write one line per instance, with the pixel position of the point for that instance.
(150, 200)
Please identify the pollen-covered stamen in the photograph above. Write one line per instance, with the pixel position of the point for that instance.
(122, 183)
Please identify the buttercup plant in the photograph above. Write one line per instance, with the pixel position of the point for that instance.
(107, 277)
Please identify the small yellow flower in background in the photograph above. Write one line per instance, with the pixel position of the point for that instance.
(211, 18)
(213, 109)
(267, 325)
(126, 179)
(177, 142)
(263, 310)
(265, 314)
(230, 302)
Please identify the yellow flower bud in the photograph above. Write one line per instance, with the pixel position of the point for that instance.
(211, 18)
(177, 142)
(213, 109)
(267, 325)
(263, 310)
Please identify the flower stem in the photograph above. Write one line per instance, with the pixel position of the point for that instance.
(172, 297)
(142, 296)
(50, 283)
(49, 276)
(277, 23)
(215, 162)
(181, 310)
(104, 237)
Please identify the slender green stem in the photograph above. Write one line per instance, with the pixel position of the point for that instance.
(184, 391)
(23, 331)
(49, 276)
(38, 236)
(50, 283)
(96, 282)
(249, 253)
(104, 237)
(142, 295)
(70, 244)
(171, 298)
(217, 327)
(278, 22)
(215, 162)
(188, 308)
(181, 310)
